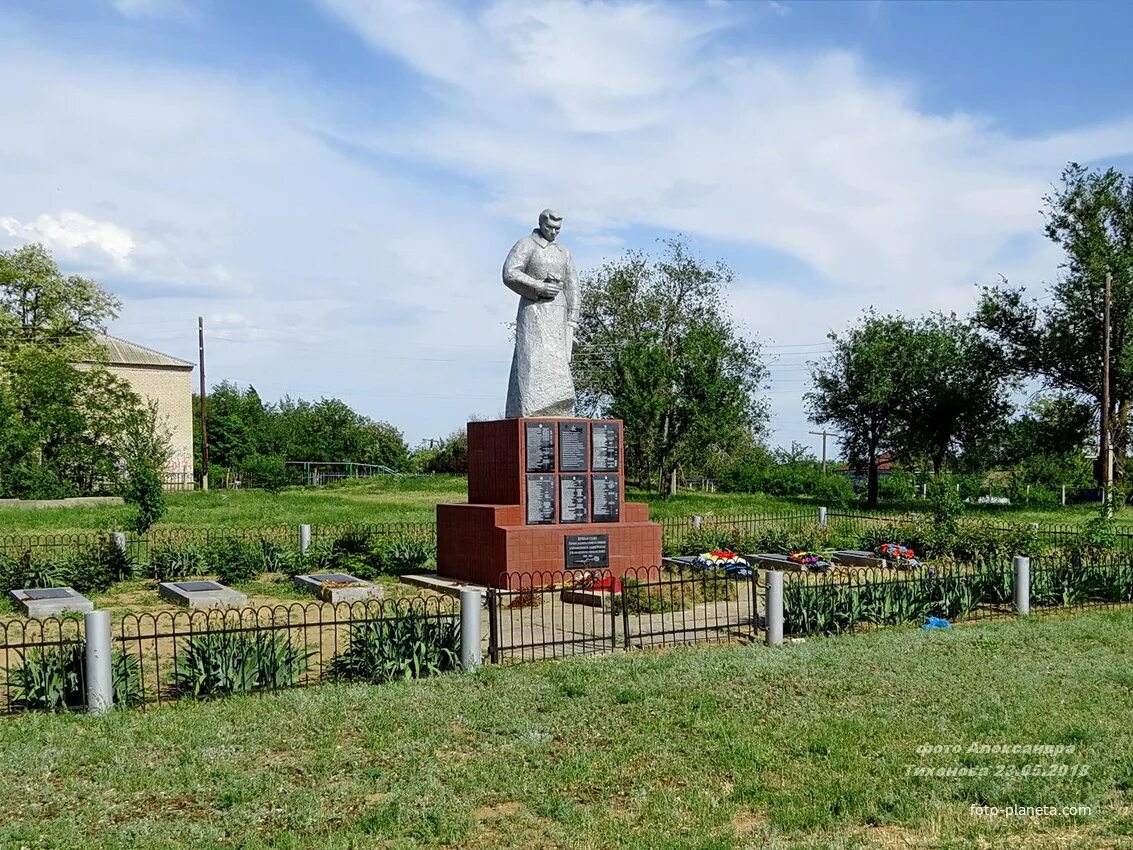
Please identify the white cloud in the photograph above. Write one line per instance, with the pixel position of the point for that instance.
(72, 233)
(324, 269)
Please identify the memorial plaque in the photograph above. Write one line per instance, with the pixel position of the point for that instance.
(572, 447)
(540, 499)
(586, 550)
(199, 586)
(573, 504)
(540, 447)
(49, 593)
(336, 578)
(606, 494)
(604, 446)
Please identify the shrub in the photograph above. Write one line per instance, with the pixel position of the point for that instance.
(27, 570)
(266, 472)
(399, 555)
(643, 599)
(234, 561)
(172, 563)
(97, 567)
(52, 679)
(145, 492)
(221, 663)
(404, 647)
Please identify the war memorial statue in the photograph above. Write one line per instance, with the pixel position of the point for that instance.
(541, 271)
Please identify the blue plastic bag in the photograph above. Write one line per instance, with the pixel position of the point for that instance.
(936, 623)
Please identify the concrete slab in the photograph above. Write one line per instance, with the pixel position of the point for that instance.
(858, 558)
(442, 584)
(42, 602)
(587, 596)
(338, 588)
(201, 594)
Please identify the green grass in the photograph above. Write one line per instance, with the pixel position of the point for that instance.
(414, 499)
(806, 746)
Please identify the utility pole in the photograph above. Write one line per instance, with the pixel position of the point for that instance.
(824, 434)
(204, 405)
(1104, 450)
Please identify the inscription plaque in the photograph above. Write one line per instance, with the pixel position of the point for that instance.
(604, 491)
(540, 447)
(586, 550)
(604, 446)
(540, 499)
(573, 504)
(572, 447)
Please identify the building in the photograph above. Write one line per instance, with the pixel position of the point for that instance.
(167, 381)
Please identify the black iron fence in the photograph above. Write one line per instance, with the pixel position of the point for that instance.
(210, 653)
(553, 615)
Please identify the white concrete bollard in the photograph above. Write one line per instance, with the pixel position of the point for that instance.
(773, 608)
(470, 605)
(120, 541)
(304, 539)
(97, 665)
(1022, 585)
(822, 520)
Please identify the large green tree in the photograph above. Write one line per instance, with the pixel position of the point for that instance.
(656, 347)
(63, 428)
(928, 389)
(1059, 338)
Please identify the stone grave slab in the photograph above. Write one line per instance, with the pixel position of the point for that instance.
(41, 602)
(773, 561)
(858, 558)
(338, 587)
(442, 584)
(588, 596)
(201, 594)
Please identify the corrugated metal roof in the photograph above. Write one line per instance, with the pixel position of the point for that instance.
(119, 352)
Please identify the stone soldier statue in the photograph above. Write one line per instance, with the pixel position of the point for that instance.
(542, 272)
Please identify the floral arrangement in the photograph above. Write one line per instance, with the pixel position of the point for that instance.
(596, 581)
(899, 556)
(809, 560)
(729, 562)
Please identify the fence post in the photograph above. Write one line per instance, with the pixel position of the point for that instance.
(822, 516)
(1022, 585)
(493, 626)
(773, 609)
(120, 541)
(1063, 495)
(470, 604)
(696, 522)
(96, 667)
(304, 538)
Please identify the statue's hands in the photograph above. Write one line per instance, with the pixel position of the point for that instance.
(552, 287)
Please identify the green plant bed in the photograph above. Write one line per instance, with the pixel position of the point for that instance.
(409, 646)
(223, 663)
(52, 679)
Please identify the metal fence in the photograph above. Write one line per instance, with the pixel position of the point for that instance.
(208, 653)
(553, 615)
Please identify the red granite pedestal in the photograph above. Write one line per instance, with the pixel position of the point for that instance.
(557, 504)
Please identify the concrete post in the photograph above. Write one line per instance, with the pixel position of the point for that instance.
(696, 522)
(774, 608)
(1063, 495)
(304, 539)
(822, 516)
(120, 541)
(97, 669)
(1022, 585)
(470, 604)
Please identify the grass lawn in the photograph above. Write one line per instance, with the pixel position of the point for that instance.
(805, 746)
(413, 499)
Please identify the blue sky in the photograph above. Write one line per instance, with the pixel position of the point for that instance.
(333, 184)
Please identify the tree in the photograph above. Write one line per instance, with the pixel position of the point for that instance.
(929, 389)
(857, 386)
(656, 348)
(1059, 339)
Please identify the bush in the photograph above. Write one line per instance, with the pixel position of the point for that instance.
(265, 472)
(405, 647)
(222, 663)
(98, 567)
(145, 492)
(173, 563)
(400, 555)
(234, 561)
(52, 679)
(27, 570)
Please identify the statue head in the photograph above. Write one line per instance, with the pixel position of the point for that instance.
(550, 223)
